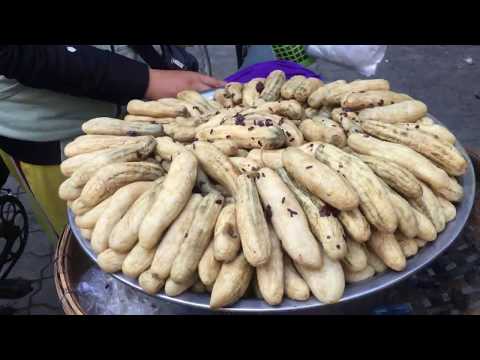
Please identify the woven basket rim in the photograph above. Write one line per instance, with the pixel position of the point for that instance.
(63, 283)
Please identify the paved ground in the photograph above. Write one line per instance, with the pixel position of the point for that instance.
(438, 75)
(35, 265)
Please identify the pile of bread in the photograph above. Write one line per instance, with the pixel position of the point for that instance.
(274, 188)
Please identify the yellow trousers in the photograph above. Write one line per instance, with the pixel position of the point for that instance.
(41, 183)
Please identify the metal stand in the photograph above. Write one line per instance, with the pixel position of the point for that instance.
(14, 230)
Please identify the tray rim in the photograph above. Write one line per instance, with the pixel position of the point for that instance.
(352, 291)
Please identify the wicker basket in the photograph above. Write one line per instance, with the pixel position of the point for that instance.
(67, 272)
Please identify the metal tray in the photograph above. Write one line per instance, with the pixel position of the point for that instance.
(352, 291)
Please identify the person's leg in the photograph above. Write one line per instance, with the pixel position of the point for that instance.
(42, 193)
(44, 182)
(258, 53)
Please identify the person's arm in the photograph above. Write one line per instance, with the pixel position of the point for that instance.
(79, 70)
(87, 71)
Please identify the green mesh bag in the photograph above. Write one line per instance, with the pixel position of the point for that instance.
(294, 53)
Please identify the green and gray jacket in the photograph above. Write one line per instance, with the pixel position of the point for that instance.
(42, 115)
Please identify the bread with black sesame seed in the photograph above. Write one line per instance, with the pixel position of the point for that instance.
(288, 219)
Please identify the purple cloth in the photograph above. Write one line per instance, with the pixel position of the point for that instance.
(261, 70)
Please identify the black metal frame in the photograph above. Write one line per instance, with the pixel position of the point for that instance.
(14, 228)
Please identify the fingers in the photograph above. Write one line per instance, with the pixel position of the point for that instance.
(165, 83)
(201, 87)
(212, 82)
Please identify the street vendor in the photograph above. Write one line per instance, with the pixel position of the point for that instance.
(48, 91)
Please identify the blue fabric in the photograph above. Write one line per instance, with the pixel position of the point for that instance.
(261, 70)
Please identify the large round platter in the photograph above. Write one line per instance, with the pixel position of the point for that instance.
(352, 291)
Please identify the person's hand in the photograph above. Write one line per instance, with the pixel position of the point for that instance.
(168, 83)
